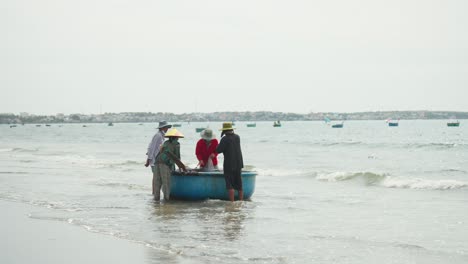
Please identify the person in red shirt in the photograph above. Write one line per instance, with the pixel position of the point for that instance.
(206, 151)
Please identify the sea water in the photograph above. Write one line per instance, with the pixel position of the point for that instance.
(365, 193)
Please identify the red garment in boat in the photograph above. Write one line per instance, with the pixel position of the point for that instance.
(203, 151)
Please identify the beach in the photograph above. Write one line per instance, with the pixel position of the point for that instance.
(27, 240)
(365, 193)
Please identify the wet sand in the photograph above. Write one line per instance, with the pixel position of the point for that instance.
(27, 240)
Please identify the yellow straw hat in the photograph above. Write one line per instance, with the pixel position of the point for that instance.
(173, 132)
(227, 126)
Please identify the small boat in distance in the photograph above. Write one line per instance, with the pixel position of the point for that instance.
(199, 129)
(197, 185)
(392, 123)
(338, 125)
(252, 125)
(328, 122)
(453, 123)
(277, 124)
(110, 124)
(177, 125)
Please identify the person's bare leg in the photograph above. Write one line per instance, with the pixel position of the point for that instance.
(231, 195)
(241, 195)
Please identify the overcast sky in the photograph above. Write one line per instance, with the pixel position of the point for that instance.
(93, 56)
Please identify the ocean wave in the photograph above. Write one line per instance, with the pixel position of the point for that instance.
(27, 161)
(457, 171)
(344, 143)
(18, 150)
(91, 161)
(454, 170)
(127, 163)
(129, 186)
(369, 177)
(6, 149)
(403, 145)
(13, 172)
(331, 143)
(434, 145)
(279, 172)
(387, 181)
(25, 150)
(422, 184)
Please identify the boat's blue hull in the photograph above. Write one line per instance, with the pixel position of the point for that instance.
(393, 124)
(207, 185)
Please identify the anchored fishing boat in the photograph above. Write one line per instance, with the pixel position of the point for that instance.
(277, 123)
(337, 125)
(340, 125)
(252, 125)
(453, 123)
(198, 185)
(392, 123)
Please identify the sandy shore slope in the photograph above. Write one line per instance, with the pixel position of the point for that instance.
(26, 240)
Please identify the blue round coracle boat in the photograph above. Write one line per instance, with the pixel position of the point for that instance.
(197, 185)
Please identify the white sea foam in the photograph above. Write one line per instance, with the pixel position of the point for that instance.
(128, 186)
(385, 180)
(370, 177)
(278, 172)
(91, 161)
(423, 184)
(6, 149)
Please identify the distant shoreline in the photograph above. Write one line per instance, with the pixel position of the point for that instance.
(149, 117)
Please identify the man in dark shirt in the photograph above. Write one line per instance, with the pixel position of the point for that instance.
(233, 162)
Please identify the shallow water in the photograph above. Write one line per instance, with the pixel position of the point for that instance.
(360, 194)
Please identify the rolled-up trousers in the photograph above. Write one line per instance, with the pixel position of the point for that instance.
(161, 178)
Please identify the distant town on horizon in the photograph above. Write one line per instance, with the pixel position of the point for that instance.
(127, 117)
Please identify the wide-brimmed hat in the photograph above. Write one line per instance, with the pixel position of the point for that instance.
(164, 124)
(227, 126)
(173, 132)
(207, 134)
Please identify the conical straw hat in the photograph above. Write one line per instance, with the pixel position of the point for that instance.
(227, 126)
(173, 132)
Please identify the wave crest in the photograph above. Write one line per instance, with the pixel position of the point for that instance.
(423, 184)
(18, 150)
(368, 177)
(384, 180)
(435, 145)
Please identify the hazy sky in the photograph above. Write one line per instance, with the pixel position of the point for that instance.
(92, 56)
